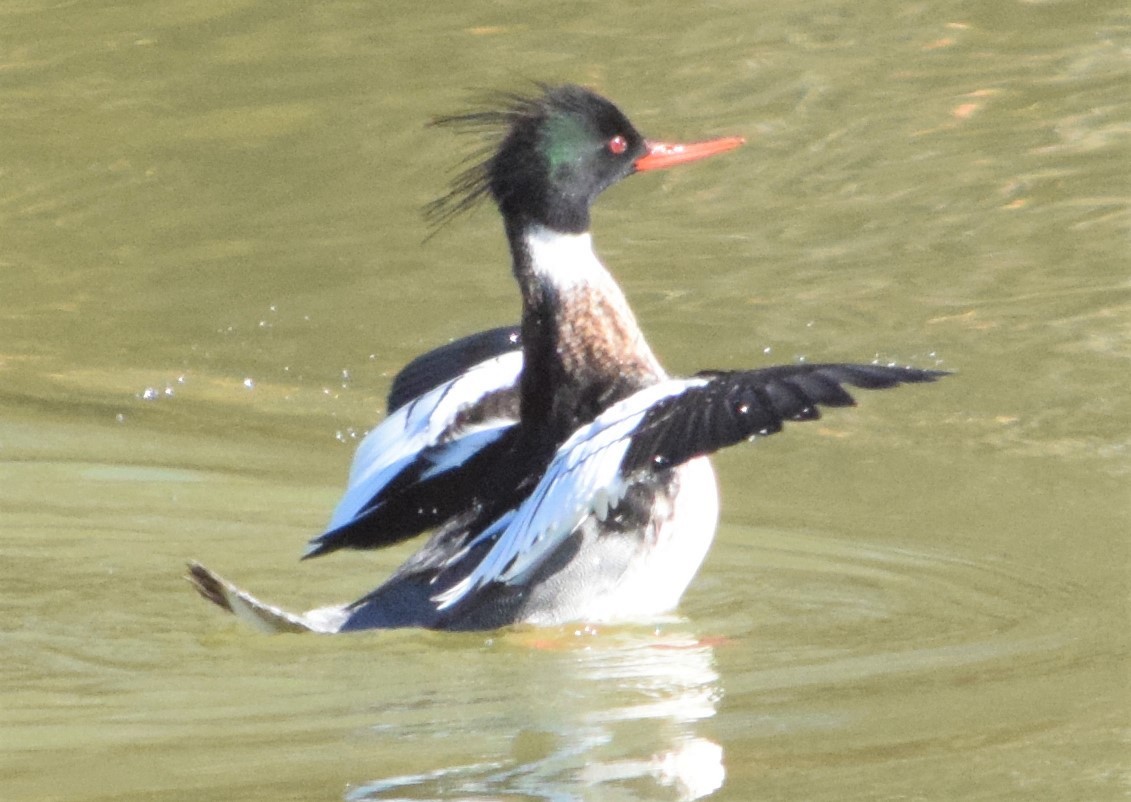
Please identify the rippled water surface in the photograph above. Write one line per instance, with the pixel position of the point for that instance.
(213, 262)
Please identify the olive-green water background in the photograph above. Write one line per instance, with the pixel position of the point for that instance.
(212, 261)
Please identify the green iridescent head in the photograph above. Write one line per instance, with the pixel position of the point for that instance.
(560, 150)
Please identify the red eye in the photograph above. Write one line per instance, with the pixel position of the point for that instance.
(618, 145)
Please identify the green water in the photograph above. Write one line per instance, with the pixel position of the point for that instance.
(212, 262)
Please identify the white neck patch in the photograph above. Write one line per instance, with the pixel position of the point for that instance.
(567, 263)
(566, 260)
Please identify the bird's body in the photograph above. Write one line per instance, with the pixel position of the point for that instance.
(562, 472)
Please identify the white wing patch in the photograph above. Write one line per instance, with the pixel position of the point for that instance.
(470, 442)
(583, 478)
(419, 424)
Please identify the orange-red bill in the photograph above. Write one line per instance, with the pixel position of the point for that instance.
(667, 154)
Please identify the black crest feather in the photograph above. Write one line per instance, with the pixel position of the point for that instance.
(499, 114)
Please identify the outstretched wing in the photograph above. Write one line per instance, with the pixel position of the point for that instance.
(426, 444)
(660, 427)
(440, 365)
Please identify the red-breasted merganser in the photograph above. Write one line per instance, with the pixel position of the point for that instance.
(562, 471)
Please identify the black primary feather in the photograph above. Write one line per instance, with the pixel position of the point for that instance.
(410, 503)
(735, 406)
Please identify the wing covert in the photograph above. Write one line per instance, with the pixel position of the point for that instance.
(441, 365)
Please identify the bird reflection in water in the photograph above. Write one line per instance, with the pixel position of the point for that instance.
(636, 704)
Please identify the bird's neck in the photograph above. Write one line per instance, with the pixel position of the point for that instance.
(582, 347)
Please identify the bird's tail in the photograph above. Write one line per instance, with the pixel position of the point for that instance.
(261, 616)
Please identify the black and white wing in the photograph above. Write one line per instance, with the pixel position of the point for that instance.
(429, 370)
(467, 402)
(659, 427)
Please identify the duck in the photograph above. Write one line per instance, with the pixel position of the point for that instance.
(562, 475)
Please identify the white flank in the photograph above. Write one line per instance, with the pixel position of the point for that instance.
(419, 424)
(583, 478)
(654, 583)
